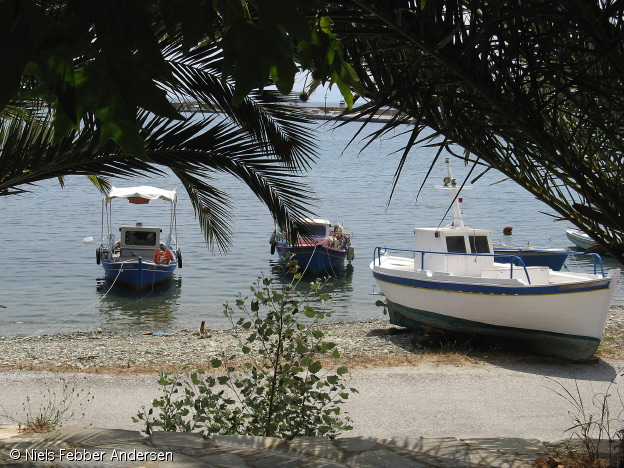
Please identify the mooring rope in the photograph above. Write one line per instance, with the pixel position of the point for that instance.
(98, 301)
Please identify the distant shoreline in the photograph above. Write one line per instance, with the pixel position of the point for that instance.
(313, 112)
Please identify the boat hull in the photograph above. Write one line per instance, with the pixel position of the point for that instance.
(580, 239)
(562, 320)
(531, 257)
(313, 259)
(576, 348)
(138, 274)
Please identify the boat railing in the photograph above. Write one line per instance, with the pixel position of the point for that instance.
(514, 260)
(597, 262)
(108, 242)
(379, 251)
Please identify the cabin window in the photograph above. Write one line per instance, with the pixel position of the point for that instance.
(455, 244)
(140, 238)
(314, 230)
(479, 244)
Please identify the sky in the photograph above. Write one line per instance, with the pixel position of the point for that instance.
(333, 95)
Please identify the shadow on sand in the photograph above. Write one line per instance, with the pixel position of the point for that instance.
(505, 354)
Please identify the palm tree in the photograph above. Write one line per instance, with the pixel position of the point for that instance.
(534, 89)
(261, 141)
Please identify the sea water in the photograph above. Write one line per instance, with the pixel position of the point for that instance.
(51, 282)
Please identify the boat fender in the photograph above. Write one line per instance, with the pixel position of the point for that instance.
(273, 241)
(272, 248)
(97, 256)
(350, 253)
(162, 257)
(179, 255)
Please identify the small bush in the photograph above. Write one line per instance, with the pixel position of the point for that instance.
(591, 425)
(54, 408)
(281, 390)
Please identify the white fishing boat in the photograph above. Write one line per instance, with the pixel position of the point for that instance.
(450, 281)
(141, 257)
(580, 239)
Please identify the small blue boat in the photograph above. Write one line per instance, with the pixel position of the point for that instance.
(532, 256)
(140, 258)
(323, 250)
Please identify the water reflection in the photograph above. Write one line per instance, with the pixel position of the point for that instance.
(339, 287)
(150, 310)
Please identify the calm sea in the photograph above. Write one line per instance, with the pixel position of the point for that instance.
(51, 282)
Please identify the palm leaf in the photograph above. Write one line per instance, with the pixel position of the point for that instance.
(533, 89)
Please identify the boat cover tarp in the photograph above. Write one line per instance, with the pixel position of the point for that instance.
(144, 191)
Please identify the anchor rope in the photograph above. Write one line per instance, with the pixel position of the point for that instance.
(96, 302)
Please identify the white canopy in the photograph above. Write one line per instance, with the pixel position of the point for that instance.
(144, 191)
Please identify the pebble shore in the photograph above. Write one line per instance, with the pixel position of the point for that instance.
(362, 343)
(114, 351)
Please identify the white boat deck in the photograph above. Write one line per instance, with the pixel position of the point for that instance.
(537, 275)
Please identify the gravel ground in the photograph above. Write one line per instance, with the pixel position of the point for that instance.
(133, 353)
(362, 344)
(407, 387)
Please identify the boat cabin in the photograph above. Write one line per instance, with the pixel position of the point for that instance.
(138, 241)
(317, 228)
(321, 231)
(447, 243)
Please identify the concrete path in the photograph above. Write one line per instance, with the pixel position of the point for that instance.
(72, 447)
(511, 409)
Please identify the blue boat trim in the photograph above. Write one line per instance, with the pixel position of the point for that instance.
(313, 259)
(489, 289)
(554, 261)
(138, 274)
(574, 347)
(328, 251)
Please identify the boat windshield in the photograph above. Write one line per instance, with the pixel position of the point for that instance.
(456, 244)
(140, 238)
(479, 244)
(315, 230)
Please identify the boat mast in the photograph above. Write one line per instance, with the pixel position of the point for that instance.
(451, 184)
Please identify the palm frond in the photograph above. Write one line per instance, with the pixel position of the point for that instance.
(533, 89)
(264, 116)
(262, 141)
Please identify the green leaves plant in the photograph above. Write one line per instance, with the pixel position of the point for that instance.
(281, 391)
(532, 89)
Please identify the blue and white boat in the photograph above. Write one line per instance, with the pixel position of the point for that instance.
(551, 257)
(322, 249)
(580, 239)
(450, 281)
(141, 258)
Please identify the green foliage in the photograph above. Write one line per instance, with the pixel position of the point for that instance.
(281, 390)
(533, 89)
(107, 58)
(261, 141)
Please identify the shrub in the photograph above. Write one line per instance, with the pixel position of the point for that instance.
(53, 410)
(281, 388)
